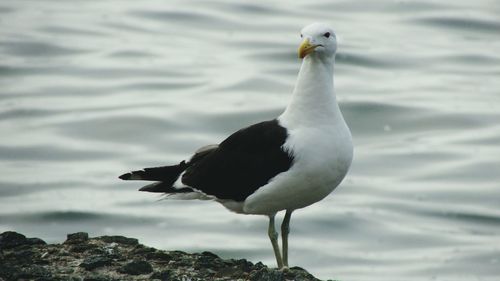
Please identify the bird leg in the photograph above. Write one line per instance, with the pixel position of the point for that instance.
(285, 229)
(273, 235)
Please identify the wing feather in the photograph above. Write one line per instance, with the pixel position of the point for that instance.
(245, 161)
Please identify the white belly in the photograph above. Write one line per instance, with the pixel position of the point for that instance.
(322, 157)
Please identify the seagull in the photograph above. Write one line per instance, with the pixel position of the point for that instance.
(283, 164)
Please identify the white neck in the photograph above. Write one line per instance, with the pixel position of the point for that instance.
(313, 100)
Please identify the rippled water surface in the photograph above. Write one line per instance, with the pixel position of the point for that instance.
(91, 89)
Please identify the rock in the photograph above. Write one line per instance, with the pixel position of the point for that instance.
(299, 274)
(23, 256)
(77, 238)
(81, 248)
(163, 275)
(36, 241)
(10, 239)
(114, 258)
(266, 274)
(98, 277)
(136, 268)
(33, 272)
(119, 239)
(159, 256)
(91, 263)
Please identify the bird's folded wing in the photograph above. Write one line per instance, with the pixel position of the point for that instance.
(245, 161)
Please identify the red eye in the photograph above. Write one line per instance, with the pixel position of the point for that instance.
(327, 34)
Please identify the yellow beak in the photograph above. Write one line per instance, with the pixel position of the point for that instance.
(306, 48)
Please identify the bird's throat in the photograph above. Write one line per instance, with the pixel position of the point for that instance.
(313, 98)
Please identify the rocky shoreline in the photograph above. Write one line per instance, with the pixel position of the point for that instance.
(113, 258)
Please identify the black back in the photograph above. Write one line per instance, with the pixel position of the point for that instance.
(242, 163)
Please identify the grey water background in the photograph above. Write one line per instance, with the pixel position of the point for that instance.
(92, 89)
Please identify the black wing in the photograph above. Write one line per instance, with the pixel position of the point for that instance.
(167, 175)
(242, 163)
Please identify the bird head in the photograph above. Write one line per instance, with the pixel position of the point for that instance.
(317, 39)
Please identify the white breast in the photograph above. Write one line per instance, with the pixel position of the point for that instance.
(322, 157)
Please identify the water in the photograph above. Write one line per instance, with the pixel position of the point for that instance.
(92, 89)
